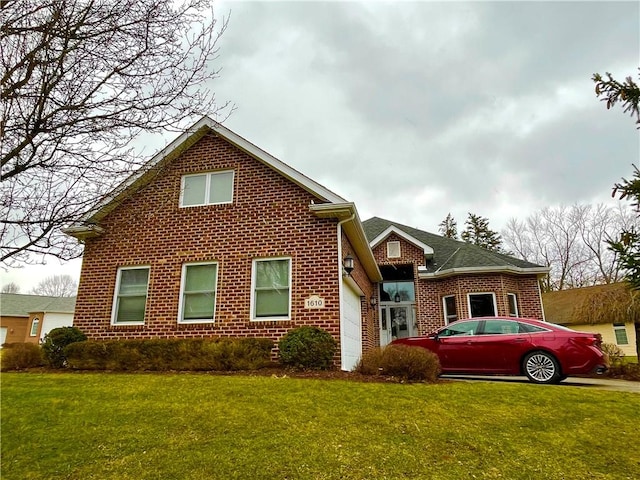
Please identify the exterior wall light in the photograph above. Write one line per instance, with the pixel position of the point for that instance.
(373, 301)
(347, 264)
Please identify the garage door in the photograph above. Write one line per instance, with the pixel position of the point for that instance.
(350, 328)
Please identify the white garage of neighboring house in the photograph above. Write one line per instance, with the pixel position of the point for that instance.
(28, 318)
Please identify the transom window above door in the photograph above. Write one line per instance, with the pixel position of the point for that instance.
(213, 188)
(397, 292)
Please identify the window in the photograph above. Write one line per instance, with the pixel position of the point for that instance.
(460, 328)
(34, 327)
(397, 292)
(513, 304)
(393, 249)
(130, 296)
(271, 287)
(207, 189)
(198, 292)
(501, 327)
(450, 308)
(620, 332)
(482, 304)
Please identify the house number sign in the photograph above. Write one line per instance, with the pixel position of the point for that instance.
(314, 301)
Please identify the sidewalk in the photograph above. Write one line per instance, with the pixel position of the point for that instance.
(582, 382)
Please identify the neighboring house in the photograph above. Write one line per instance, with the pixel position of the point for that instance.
(430, 280)
(612, 310)
(215, 237)
(28, 318)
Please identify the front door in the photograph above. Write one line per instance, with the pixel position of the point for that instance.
(397, 321)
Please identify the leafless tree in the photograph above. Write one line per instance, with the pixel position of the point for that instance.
(56, 286)
(572, 241)
(81, 81)
(10, 287)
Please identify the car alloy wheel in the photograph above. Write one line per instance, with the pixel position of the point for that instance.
(542, 367)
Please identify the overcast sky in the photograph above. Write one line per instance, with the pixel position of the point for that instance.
(413, 110)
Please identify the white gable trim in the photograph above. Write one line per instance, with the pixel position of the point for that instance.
(193, 134)
(393, 229)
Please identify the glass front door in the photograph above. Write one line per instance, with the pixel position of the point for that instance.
(396, 321)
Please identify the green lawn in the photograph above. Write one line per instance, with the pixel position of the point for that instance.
(199, 426)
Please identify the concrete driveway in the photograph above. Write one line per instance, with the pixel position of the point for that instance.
(581, 382)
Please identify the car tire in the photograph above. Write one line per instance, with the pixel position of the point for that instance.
(541, 367)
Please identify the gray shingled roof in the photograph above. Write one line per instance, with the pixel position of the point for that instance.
(16, 305)
(448, 253)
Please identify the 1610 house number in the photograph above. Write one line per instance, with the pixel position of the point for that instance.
(314, 301)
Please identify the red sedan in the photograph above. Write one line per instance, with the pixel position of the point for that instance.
(544, 352)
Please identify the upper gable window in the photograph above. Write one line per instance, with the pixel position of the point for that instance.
(212, 188)
(393, 249)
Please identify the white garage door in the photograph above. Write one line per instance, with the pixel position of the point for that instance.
(350, 328)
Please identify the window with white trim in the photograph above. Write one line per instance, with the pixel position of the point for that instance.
(34, 327)
(513, 304)
(213, 188)
(620, 331)
(393, 249)
(130, 298)
(450, 308)
(482, 304)
(271, 289)
(198, 292)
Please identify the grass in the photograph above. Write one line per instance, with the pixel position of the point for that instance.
(199, 426)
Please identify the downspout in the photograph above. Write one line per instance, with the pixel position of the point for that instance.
(340, 282)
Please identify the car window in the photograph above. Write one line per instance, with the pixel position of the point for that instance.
(460, 328)
(526, 328)
(500, 327)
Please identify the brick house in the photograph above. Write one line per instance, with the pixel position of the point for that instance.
(215, 237)
(28, 318)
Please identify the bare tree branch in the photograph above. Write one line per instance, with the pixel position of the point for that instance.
(81, 80)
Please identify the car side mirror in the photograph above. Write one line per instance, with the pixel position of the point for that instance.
(434, 337)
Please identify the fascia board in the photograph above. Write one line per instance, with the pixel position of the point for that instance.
(539, 271)
(393, 229)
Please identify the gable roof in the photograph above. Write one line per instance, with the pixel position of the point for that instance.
(609, 303)
(450, 257)
(17, 305)
(86, 226)
(330, 204)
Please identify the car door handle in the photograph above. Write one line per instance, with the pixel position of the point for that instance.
(519, 340)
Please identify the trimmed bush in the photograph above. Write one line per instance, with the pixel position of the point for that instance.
(307, 348)
(55, 342)
(18, 356)
(401, 361)
(163, 354)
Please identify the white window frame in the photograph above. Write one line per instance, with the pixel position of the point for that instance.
(447, 321)
(493, 296)
(183, 282)
(515, 304)
(620, 327)
(253, 290)
(35, 324)
(393, 249)
(114, 307)
(207, 188)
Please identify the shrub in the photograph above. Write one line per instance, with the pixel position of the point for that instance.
(55, 342)
(615, 354)
(307, 348)
(401, 361)
(198, 354)
(18, 356)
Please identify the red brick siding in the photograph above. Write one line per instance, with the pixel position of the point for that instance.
(269, 217)
(430, 292)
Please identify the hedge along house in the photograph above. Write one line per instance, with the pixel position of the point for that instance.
(430, 281)
(215, 237)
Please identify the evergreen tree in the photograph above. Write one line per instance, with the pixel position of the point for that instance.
(449, 227)
(477, 231)
(627, 245)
